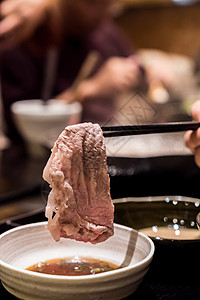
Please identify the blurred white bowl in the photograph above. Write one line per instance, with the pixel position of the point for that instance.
(29, 244)
(33, 118)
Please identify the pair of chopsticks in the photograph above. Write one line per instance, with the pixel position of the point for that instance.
(86, 68)
(113, 131)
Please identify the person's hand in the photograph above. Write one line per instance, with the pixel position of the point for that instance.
(20, 18)
(192, 138)
(115, 76)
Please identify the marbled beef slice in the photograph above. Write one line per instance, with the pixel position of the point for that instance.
(79, 204)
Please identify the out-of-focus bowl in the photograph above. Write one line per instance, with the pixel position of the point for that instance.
(170, 221)
(33, 118)
(29, 244)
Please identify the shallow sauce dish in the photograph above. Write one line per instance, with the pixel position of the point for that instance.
(176, 257)
(26, 245)
(162, 218)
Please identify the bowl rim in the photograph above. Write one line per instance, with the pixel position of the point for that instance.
(178, 198)
(76, 108)
(123, 270)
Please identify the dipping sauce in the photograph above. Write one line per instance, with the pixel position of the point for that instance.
(172, 233)
(73, 266)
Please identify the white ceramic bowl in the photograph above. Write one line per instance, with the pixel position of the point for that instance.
(33, 118)
(29, 244)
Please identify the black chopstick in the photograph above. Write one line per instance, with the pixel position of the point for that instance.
(112, 131)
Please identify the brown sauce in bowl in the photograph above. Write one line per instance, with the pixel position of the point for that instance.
(73, 266)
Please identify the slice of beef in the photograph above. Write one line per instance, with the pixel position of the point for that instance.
(79, 204)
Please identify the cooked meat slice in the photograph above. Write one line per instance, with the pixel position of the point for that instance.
(79, 204)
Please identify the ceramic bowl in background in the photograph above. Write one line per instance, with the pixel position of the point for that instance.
(26, 245)
(33, 118)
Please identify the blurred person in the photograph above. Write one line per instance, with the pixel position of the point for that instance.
(79, 27)
(192, 138)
